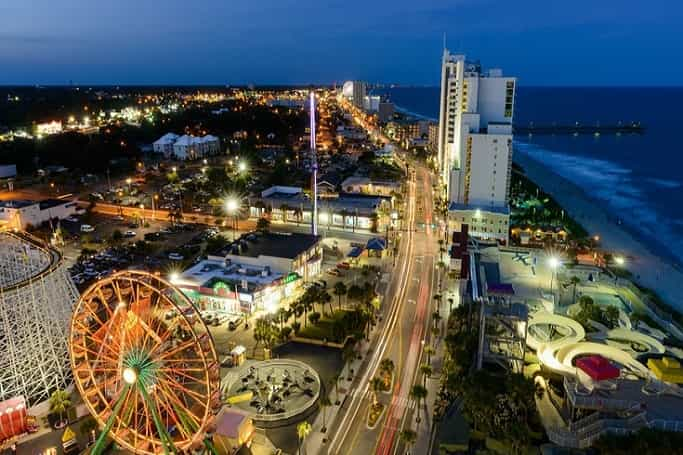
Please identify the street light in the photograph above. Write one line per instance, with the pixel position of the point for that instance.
(232, 206)
(554, 263)
(242, 166)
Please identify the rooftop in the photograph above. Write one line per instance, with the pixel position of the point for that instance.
(16, 203)
(210, 273)
(276, 244)
(454, 206)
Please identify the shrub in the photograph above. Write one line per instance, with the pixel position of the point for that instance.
(314, 317)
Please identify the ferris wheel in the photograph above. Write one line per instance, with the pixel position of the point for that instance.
(145, 364)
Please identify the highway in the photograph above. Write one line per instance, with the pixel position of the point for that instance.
(406, 316)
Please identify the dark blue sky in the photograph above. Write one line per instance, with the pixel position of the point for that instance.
(549, 42)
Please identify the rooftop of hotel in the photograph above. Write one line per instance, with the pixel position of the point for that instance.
(454, 206)
(275, 244)
(295, 197)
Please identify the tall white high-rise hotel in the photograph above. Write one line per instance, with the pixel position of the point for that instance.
(475, 146)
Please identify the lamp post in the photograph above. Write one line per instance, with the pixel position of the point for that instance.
(154, 209)
(554, 263)
(620, 261)
(232, 206)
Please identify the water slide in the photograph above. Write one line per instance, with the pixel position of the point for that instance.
(558, 355)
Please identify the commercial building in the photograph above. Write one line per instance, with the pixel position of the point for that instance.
(19, 214)
(366, 185)
(253, 273)
(355, 92)
(474, 141)
(347, 211)
(187, 147)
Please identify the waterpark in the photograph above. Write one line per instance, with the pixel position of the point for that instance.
(603, 359)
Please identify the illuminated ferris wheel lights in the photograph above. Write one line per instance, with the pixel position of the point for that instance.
(130, 375)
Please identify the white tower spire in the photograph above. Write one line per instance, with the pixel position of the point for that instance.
(314, 182)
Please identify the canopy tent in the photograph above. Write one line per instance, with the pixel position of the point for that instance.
(597, 367)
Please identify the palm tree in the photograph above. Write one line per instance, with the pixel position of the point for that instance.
(436, 317)
(573, 281)
(408, 437)
(429, 351)
(282, 316)
(376, 385)
(386, 367)
(344, 213)
(302, 431)
(298, 214)
(324, 403)
(284, 208)
(60, 402)
(418, 393)
(339, 290)
(426, 370)
(325, 297)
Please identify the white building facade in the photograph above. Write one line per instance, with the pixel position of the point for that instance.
(475, 144)
(187, 147)
(355, 92)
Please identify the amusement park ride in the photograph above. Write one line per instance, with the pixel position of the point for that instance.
(145, 364)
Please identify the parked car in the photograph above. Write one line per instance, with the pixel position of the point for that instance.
(344, 265)
(176, 257)
(334, 272)
(130, 234)
(87, 228)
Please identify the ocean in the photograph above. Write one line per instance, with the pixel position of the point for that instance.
(636, 178)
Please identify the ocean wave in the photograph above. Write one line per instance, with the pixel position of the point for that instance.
(615, 186)
(417, 115)
(663, 183)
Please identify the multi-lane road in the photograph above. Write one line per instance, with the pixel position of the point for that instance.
(402, 336)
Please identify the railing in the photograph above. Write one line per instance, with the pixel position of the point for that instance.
(55, 258)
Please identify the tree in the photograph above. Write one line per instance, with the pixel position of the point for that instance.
(408, 437)
(573, 282)
(348, 354)
(335, 381)
(282, 316)
(376, 385)
(418, 393)
(611, 316)
(339, 290)
(263, 224)
(116, 236)
(60, 402)
(426, 370)
(303, 429)
(429, 351)
(314, 317)
(355, 293)
(386, 368)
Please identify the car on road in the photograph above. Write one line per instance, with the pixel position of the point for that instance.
(176, 256)
(118, 218)
(130, 234)
(72, 218)
(87, 228)
(235, 322)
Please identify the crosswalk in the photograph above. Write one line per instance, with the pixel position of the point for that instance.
(402, 403)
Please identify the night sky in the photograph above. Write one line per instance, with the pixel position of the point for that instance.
(550, 42)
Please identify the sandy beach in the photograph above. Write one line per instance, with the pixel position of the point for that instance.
(649, 269)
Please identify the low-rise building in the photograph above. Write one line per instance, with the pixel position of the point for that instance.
(349, 211)
(491, 224)
(20, 214)
(367, 185)
(254, 273)
(187, 147)
(164, 145)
